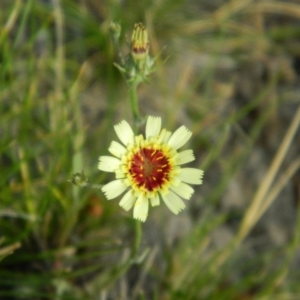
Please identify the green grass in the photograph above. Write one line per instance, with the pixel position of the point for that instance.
(60, 96)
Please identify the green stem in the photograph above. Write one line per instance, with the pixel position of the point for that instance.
(117, 46)
(138, 238)
(135, 113)
(134, 104)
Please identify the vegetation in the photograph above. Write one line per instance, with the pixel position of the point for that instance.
(229, 71)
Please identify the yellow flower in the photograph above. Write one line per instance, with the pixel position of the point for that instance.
(149, 169)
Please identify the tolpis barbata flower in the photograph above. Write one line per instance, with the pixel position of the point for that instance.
(149, 169)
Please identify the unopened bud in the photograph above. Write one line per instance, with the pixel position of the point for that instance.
(115, 29)
(139, 43)
(79, 179)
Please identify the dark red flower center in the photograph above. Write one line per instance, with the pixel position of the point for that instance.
(150, 168)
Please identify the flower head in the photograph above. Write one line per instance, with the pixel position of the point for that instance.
(149, 169)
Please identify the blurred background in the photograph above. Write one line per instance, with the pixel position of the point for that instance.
(229, 71)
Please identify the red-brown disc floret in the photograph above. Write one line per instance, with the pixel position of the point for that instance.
(150, 168)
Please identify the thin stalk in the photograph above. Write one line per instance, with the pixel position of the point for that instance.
(137, 239)
(265, 195)
(134, 104)
(57, 110)
(261, 194)
(117, 46)
(136, 115)
(11, 21)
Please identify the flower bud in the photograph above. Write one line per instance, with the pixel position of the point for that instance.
(115, 29)
(79, 179)
(139, 43)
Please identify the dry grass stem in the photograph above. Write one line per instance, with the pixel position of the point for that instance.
(257, 203)
(55, 105)
(12, 19)
(9, 249)
(278, 186)
(289, 9)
